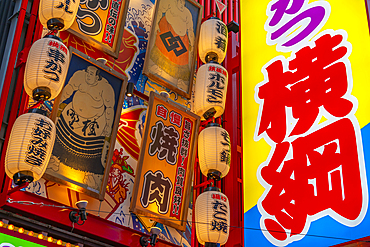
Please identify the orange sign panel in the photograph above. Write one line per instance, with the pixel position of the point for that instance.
(165, 166)
(101, 23)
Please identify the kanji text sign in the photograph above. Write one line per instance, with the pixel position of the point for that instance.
(165, 166)
(324, 160)
(101, 23)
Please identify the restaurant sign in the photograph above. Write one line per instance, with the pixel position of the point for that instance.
(165, 166)
(101, 23)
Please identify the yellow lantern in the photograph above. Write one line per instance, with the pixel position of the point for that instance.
(30, 145)
(213, 39)
(58, 14)
(210, 90)
(214, 151)
(212, 217)
(46, 68)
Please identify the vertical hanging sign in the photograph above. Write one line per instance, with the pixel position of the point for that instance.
(165, 166)
(178, 193)
(101, 24)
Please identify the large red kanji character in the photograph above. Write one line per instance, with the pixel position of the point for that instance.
(175, 118)
(161, 112)
(316, 78)
(323, 175)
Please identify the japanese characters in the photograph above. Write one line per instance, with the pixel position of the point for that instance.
(40, 143)
(220, 213)
(86, 122)
(165, 142)
(316, 164)
(181, 167)
(212, 214)
(57, 57)
(216, 86)
(213, 41)
(111, 25)
(89, 13)
(156, 189)
(100, 23)
(221, 40)
(46, 68)
(86, 112)
(65, 6)
(30, 144)
(291, 23)
(210, 90)
(165, 161)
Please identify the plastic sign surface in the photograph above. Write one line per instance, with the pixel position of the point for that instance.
(10, 241)
(305, 114)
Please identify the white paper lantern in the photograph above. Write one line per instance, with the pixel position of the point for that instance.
(58, 14)
(210, 90)
(30, 144)
(212, 217)
(46, 68)
(214, 151)
(213, 39)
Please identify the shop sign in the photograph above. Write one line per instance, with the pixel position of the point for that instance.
(101, 23)
(308, 109)
(172, 47)
(86, 114)
(165, 165)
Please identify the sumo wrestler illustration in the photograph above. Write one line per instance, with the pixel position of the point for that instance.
(86, 116)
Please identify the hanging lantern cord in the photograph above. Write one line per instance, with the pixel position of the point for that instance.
(52, 32)
(18, 188)
(204, 184)
(204, 123)
(40, 102)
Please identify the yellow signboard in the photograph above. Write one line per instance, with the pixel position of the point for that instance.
(101, 24)
(165, 167)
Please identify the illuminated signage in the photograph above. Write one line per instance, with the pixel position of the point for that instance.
(101, 23)
(86, 120)
(305, 150)
(165, 166)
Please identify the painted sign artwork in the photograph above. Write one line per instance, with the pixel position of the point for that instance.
(101, 23)
(171, 54)
(307, 113)
(163, 179)
(87, 119)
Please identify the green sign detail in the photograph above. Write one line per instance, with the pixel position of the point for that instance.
(10, 241)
